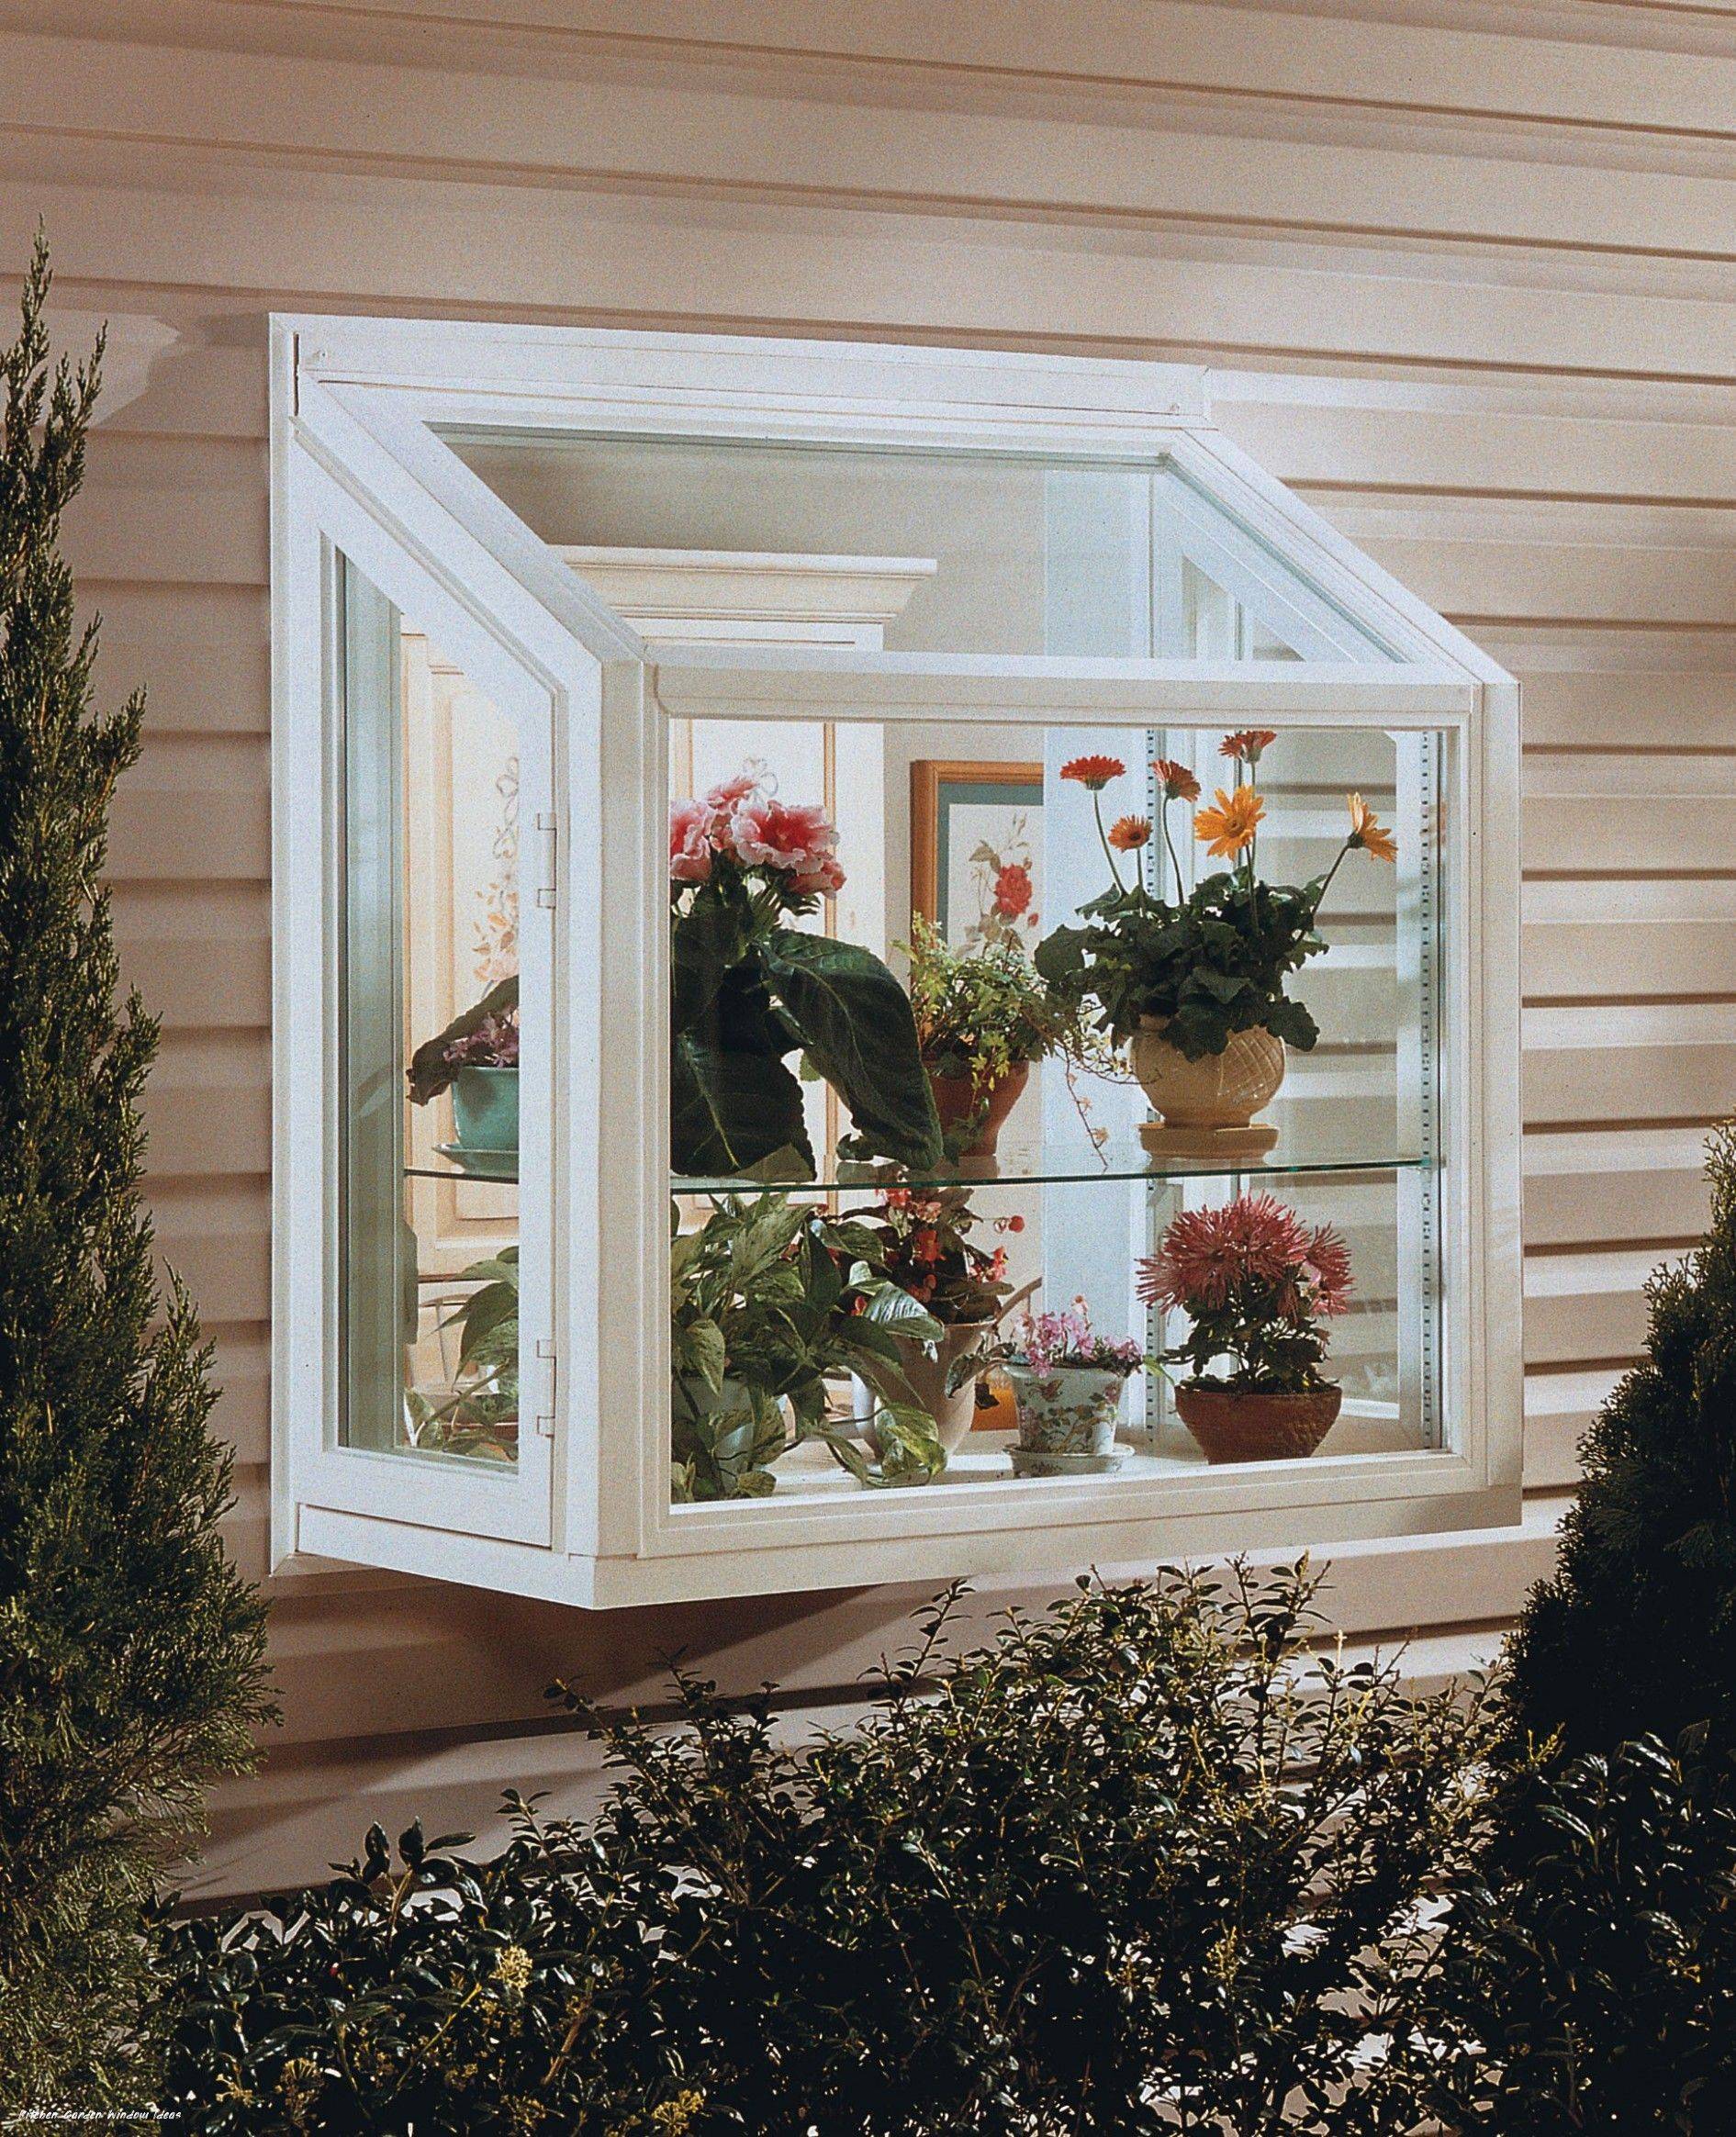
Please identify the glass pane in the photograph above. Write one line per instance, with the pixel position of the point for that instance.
(1008, 922)
(430, 1234)
(981, 551)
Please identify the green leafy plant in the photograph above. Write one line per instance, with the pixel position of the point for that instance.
(1636, 1631)
(1255, 1285)
(771, 1300)
(981, 1013)
(131, 1651)
(1215, 961)
(747, 991)
(1147, 1862)
(473, 1417)
(423, 1992)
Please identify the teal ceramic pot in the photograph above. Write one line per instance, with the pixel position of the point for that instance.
(485, 1108)
(1067, 1419)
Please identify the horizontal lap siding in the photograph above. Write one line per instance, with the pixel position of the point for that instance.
(1467, 290)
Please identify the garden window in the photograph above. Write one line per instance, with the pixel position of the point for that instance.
(892, 963)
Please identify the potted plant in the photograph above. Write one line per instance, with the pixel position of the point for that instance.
(1196, 986)
(476, 1057)
(480, 1413)
(1066, 1381)
(922, 1245)
(747, 989)
(1255, 1285)
(984, 1017)
(772, 1301)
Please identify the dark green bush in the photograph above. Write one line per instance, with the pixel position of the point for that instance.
(131, 1648)
(1139, 1864)
(1593, 1955)
(1636, 1633)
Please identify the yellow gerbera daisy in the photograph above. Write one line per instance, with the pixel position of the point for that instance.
(1231, 826)
(1366, 833)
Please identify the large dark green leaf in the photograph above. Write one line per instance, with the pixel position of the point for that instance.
(704, 944)
(731, 1112)
(857, 1029)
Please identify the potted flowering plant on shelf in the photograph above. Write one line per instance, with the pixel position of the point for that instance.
(476, 1057)
(747, 990)
(983, 1017)
(1196, 986)
(1256, 1285)
(1067, 1381)
(922, 1245)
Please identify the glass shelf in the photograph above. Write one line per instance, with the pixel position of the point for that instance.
(1039, 1164)
(1034, 1164)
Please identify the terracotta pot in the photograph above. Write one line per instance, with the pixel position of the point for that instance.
(954, 1414)
(1251, 1425)
(961, 1100)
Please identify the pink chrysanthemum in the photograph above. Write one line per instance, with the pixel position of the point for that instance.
(1206, 1254)
(1327, 1270)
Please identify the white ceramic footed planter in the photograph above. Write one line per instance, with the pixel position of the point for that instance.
(1066, 1420)
(1207, 1107)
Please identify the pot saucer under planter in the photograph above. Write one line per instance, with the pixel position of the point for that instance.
(961, 1100)
(1207, 1107)
(481, 1164)
(1034, 1462)
(1251, 1425)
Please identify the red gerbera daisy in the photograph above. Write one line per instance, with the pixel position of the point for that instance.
(1093, 772)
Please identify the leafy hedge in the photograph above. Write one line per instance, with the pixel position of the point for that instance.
(1142, 1865)
(1139, 1864)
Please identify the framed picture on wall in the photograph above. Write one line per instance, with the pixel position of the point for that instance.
(976, 849)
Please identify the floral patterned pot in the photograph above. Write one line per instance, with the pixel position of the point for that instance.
(954, 1414)
(1066, 1420)
(1249, 1424)
(485, 1109)
(960, 1100)
(1205, 1104)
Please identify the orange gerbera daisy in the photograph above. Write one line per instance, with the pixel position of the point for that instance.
(1248, 744)
(1094, 772)
(1365, 832)
(1177, 783)
(1232, 824)
(1128, 834)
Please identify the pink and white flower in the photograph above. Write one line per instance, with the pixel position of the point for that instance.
(728, 795)
(690, 841)
(793, 838)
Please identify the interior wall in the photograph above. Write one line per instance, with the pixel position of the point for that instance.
(1464, 274)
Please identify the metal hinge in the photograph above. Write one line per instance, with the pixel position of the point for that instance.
(545, 1419)
(545, 889)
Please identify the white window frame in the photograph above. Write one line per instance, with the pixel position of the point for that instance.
(358, 407)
